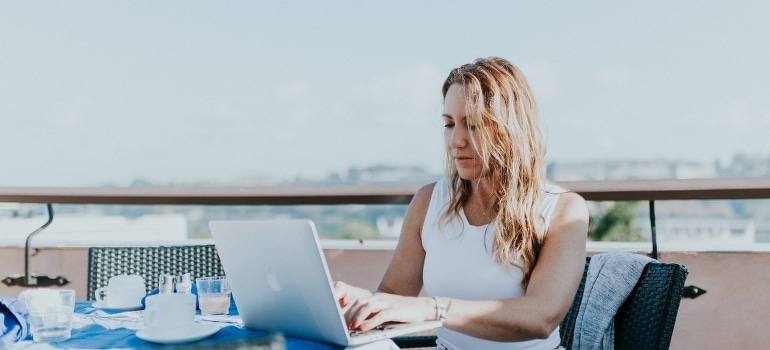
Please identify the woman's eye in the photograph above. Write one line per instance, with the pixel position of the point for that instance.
(472, 127)
(449, 125)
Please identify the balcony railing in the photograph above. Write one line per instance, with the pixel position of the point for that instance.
(636, 190)
(631, 190)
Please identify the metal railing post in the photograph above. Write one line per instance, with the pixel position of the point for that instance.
(29, 280)
(654, 232)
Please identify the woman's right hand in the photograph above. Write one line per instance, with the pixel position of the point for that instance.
(347, 294)
(366, 313)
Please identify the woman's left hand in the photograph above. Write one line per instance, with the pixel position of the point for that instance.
(369, 312)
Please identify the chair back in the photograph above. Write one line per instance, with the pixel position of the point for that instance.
(149, 262)
(646, 319)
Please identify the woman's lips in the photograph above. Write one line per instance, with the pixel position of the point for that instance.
(463, 160)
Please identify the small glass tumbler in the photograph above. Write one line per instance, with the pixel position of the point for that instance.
(213, 295)
(50, 313)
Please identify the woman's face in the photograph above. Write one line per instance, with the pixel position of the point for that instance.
(460, 147)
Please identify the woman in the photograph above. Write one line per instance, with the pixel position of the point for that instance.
(499, 251)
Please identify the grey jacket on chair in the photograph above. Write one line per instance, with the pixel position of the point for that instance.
(610, 279)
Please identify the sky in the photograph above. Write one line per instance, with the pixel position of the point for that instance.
(105, 92)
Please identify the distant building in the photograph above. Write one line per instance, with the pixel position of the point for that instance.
(703, 230)
(692, 170)
(18, 210)
(629, 170)
(385, 175)
(87, 229)
(746, 166)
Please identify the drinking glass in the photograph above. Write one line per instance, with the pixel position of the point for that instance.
(50, 313)
(213, 295)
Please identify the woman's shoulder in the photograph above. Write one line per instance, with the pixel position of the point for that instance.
(562, 202)
(562, 194)
(418, 207)
(423, 197)
(425, 192)
(549, 187)
(572, 207)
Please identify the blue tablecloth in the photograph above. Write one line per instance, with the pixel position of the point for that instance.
(100, 329)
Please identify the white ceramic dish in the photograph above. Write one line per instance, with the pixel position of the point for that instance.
(102, 305)
(197, 332)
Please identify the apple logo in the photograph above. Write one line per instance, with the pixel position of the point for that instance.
(272, 281)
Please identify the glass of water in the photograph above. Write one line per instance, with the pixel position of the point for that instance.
(213, 295)
(50, 313)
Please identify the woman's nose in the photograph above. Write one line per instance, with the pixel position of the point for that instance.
(458, 137)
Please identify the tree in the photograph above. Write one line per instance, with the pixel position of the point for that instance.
(615, 223)
(357, 229)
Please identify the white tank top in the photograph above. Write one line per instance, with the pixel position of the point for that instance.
(459, 263)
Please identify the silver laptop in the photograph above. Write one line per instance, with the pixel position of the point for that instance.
(280, 282)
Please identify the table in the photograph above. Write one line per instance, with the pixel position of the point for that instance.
(100, 329)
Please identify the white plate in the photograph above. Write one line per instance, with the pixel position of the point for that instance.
(102, 305)
(197, 332)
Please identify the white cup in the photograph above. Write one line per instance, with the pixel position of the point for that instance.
(169, 314)
(122, 291)
(50, 313)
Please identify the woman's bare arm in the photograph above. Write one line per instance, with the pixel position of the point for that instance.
(551, 289)
(404, 273)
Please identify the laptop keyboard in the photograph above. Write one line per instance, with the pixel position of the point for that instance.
(381, 327)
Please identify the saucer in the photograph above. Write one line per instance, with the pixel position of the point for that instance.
(197, 332)
(102, 305)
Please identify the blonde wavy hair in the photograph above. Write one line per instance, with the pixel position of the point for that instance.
(501, 105)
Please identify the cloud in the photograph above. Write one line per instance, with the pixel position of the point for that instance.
(297, 102)
(614, 77)
(407, 98)
(739, 112)
(544, 77)
(713, 131)
(741, 127)
(584, 135)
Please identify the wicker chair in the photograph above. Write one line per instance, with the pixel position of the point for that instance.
(644, 321)
(149, 262)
